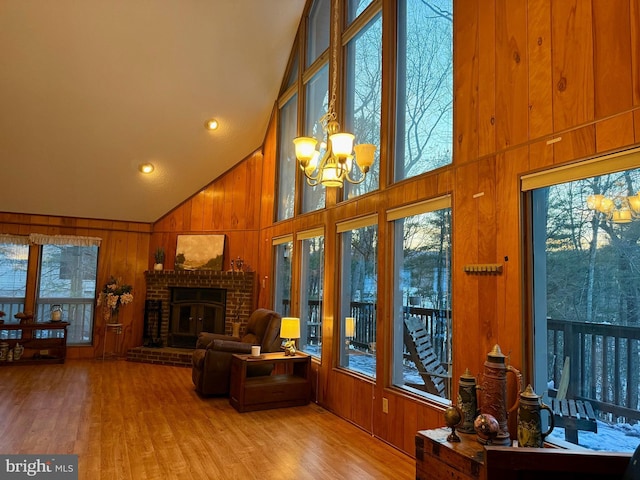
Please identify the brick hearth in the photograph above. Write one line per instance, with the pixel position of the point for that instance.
(177, 357)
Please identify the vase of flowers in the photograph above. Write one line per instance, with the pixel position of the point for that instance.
(113, 295)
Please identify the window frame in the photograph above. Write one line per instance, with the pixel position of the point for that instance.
(397, 303)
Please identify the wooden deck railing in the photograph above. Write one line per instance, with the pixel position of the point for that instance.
(77, 311)
(603, 366)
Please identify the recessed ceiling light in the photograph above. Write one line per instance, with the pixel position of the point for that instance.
(146, 167)
(211, 124)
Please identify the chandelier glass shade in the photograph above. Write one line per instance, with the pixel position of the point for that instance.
(618, 209)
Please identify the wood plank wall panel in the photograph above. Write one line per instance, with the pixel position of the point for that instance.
(487, 72)
(512, 103)
(634, 13)
(615, 132)
(575, 144)
(572, 46)
(467, 324)
(612, 57)
(540, 72)
(465, 85)
(124, 253)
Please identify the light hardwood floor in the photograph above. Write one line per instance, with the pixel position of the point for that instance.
(139, 421)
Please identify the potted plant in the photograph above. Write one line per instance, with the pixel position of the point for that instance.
(159, 257)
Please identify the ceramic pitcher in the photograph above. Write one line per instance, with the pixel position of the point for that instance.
(529, 422)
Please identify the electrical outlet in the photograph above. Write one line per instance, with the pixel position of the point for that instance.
(385, 405)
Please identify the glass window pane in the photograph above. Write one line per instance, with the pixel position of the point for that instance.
(293, 73)
(287, 166)
(68, 278)
(363, 99)
(358, 300)
(317, 104)
(422, 304)
(424, 115)
(282, 279)
(311, 291)
(318, 30)
(586, 291)
(13, 279)
(355, 8)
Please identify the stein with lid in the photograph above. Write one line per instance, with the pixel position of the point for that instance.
(529, 422)
(493, 393)
(467, 401)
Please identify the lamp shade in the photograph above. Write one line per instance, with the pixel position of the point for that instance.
(365, 154)
(341, 143)
(622, 216)
(290, 327)
(607, 206)
(332, 174)
(305, 148)
(634, 203)
(349, 327)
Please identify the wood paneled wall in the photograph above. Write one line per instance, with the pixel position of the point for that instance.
(537, 84)
(123, 253)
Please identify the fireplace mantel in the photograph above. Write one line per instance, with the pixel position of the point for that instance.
(239, 287)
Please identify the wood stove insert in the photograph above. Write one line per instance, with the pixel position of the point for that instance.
(195, 310)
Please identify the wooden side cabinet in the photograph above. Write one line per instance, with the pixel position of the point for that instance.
(288, 389)
(43, 342)
(438, 459)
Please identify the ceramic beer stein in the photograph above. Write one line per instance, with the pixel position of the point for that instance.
(493, 393)
(529, 422)
(4, 351)
(467, 401)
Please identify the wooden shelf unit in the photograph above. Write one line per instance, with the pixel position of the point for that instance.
(50, 349)
(289, 389)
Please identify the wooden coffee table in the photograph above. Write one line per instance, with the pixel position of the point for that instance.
(278, 390)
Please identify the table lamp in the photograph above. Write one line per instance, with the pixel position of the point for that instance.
(290, 329)
(349, 329)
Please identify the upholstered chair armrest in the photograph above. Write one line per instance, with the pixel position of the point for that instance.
(226, 345)
(206, 338)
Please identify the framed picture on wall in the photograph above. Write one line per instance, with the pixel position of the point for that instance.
(199, 252)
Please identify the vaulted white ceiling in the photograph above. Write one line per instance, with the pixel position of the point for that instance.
(91, 89)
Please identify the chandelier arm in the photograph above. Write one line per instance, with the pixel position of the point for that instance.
(351, 180)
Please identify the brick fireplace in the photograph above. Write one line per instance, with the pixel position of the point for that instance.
(239, 289)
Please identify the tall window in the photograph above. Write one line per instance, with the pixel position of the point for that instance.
(318, 30)
(311, 290)
(355, 8)
(421, 359)
(287, 163)
(424, 90)
(67, 277)
(14, 257)
(317, 103)
(585, 241)
(364, 96)
(283, 248)
(358, 294)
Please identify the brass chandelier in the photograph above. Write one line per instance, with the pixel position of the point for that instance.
(336, 165)
(618, 209)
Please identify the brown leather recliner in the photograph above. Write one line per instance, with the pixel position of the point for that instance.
(212, 357)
